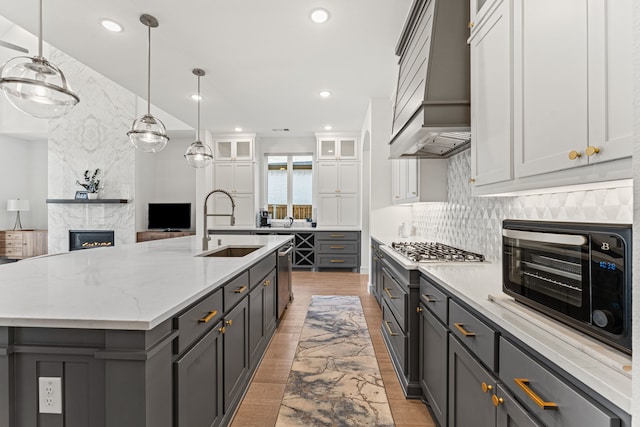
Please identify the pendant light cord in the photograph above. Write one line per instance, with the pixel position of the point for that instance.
(40, 32)
(148, 73)
(198, 129)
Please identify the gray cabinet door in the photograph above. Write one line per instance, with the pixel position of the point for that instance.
(433, 363)
(510, 413)
(469, 404)
(198, 375)
(236, 353)
(270, 312)
(256, 324)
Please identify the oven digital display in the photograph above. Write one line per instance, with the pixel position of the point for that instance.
(608, 266)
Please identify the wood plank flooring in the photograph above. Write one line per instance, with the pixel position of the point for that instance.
(260, 406)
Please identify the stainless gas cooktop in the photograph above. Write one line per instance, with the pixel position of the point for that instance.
(434, 252)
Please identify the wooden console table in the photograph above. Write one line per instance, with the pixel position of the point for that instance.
(145, 236)
(20, 244)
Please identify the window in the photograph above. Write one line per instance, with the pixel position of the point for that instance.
(289, 186)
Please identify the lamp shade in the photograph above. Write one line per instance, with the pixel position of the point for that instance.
(17, 205)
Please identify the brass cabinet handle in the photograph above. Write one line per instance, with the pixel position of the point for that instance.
(229, 322)
(414, 193)
(496, 400)
(471, 24)
(387, 324)
(336, 247)
(429, 298)
(522, 383)
(460, 327)
(486, 387)
(240, 290)
(472, 180)
(337, 260)
(388, 291)
(591, 150)
(336, 235)
(222, 330)
(573, 154)
(208, 317)
(418, 310)
(267, 282)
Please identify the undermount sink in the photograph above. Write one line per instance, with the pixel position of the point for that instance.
(231, 251)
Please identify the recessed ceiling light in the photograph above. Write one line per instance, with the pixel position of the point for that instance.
(325, 94)
(328, 127)
(196, 97)
(111, 25)
(238, 129)
(319, 16)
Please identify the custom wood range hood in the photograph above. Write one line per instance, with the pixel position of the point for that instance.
(431, 114)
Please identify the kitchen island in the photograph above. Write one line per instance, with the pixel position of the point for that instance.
(133, 331)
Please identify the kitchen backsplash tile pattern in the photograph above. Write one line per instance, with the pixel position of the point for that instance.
(92, 135)
(475, 223)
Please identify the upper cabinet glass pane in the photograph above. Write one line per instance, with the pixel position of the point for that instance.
(243, 149)
(328, 148)
(347, 148)
(223, 150)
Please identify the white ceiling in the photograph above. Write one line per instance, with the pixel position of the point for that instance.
(265, 60)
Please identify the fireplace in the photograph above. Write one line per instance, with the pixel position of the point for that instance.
(87, 239)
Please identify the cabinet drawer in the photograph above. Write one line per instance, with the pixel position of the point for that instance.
(12, 251)
(395, 337)
(434, 300)
(12, 236)
(260, 270)
(337, 235)
(395, 296)
(337, 261)
(235, 290)
(197, 320)
(536, 387)
(473, 333)
(337, 247)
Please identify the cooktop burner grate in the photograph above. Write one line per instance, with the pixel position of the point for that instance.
(434, 252)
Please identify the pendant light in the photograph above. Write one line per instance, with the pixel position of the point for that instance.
(36, 86)
(198, 155)
(147, 133)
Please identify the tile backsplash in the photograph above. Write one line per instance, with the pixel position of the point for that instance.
(475, 223)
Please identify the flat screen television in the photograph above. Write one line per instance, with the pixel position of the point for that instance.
(169, 216)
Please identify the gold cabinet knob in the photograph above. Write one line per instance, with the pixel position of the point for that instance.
(229, 322)
(471, 24)
(591, 150)
(574, 154)
(472, 180)
(496, 400)
(418, 310)
(486, 387)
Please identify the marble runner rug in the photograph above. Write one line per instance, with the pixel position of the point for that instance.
(335, 379)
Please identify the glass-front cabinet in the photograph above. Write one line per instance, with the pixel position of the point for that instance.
(233, 149)
(478, 11)
(337, 149)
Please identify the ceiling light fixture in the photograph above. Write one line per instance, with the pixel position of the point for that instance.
(196, 97)
(111, 25)
(319, 16)
(36, 86)
(238, 129)
(325, 94)
(328, 127)
(198, 155)
(147, 133)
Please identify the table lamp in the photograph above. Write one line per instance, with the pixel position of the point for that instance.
(17, 205)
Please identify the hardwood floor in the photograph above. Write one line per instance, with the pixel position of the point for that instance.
(262, 401)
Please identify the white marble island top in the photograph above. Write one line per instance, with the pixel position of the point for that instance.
(134, 287)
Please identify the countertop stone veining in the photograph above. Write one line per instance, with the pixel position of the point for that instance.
(134, 287)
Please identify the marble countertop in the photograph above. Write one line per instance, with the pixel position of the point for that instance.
(600, 367)
(290, 229)
(135, 287)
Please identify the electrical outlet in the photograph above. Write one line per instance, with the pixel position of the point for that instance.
(50, 395)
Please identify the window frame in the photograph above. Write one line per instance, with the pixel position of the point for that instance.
(289, 157)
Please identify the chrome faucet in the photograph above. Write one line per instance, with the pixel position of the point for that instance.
(206, 238)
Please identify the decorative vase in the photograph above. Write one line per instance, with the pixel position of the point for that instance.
(92, 196)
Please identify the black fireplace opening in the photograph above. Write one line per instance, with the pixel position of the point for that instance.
(88, 239)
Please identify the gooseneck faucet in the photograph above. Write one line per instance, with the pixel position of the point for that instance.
(206, 238)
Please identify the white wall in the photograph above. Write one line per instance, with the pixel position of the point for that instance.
(23, 174)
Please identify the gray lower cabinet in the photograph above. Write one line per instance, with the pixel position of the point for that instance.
(236, 355)
(262, 306)
(338, 249)
(198, 382)
(434, 346)
(375, 274)
(470, 390)
(510, 413)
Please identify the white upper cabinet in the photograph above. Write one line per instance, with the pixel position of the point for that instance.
(491, 109)
(418, 180)
(478, 12)
(231, 149)
(572, 83)
(236, 177)
(338, 177)
(337, 148)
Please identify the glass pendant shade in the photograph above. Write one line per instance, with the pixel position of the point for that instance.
(36, 86)
(148, 134)
(198, 155)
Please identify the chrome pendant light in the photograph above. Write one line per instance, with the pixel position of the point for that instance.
(198, 155)
(36, 86)
(147, 133)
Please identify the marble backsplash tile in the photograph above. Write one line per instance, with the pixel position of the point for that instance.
(475, 223)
